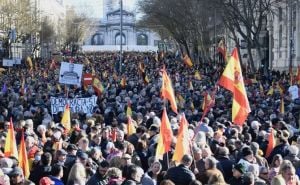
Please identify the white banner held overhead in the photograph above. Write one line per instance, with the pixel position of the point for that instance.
(8, 62)
(70, 73)
(85, 105)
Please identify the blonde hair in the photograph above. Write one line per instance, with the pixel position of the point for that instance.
(114, 173)
(77, 173)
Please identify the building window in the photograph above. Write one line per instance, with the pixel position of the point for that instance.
(98, 39)
(142, 39)
(156, 42)
(118, 39)
(280, 14)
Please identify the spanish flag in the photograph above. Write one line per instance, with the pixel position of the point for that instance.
(232, 80)
(271, 144)
(187, 61)
(208, 101)
(129, 110)
(165, 136)
(23, 159)
(281, 105)
(29, 62)
(197, 75)
(66, 118)
(167, 91)
(98, 87)
(280, 88)
(182, 144)
(10, 148)
(270, 91)
(123, 82)
(130, 127)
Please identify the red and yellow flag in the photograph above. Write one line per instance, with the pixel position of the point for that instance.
(10, 148)
(187, 60)
(123, 82)
(197, 75)
(66, 118)
(98, 87)
(167, 91)
(165, 136)
(29, 62)
(182, 145)
(129, 110)
(23, 159)
(208, 101)
(232, 80)
(271, 144)
(130, 127)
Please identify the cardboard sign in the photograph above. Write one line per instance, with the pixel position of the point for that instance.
(85, 105)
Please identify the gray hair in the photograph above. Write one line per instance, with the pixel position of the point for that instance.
(187, 160)
(212, 162)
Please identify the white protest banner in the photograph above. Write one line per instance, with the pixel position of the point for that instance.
(70, 73)
(17, 61)
(85, 105)
(8, 62)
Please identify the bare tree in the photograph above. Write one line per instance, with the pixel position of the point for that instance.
(248, 19)
(18, 18)
(77, 27)
(186, 21)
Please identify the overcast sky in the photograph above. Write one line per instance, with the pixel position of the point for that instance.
(95, 7)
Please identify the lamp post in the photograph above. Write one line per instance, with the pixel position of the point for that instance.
(121, 35)
(291, 35)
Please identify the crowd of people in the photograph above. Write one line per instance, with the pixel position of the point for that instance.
(98, 149)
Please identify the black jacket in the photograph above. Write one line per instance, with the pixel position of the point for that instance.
(97, 179)
(38, 173)
(226, 165)
(180, 175)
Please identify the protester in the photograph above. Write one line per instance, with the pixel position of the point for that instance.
(100, 146)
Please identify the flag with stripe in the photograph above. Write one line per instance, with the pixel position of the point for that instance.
(167, 91)
(98, 87)
(165, 136)
(232, 80)
(23, 159)
(182, 144)
(10, 148)
(187, 60)
(66, 118)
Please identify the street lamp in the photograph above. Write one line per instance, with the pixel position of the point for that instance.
(121, 35)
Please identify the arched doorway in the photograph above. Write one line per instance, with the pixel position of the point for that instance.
(118, 39)
(98, 39)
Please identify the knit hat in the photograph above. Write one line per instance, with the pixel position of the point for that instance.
(246, 151)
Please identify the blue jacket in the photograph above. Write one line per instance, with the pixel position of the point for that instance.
(56, 181)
